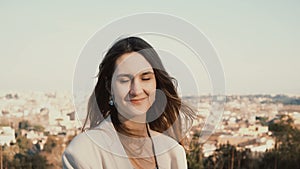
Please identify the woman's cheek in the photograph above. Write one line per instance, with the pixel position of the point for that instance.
(122, 90)
(152, 96)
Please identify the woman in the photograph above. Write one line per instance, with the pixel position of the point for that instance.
(136, 117)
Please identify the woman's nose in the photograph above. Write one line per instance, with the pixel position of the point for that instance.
(135, 87)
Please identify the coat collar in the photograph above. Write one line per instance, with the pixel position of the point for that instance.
(108, 139)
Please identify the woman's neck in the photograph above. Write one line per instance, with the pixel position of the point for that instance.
(135, 125)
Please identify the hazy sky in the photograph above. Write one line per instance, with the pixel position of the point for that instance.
(257, 41)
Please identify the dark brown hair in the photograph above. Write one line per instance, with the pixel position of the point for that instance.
(176, 115)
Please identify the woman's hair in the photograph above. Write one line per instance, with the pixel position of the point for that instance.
(176, 115)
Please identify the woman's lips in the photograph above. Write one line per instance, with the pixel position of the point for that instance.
(137, 101)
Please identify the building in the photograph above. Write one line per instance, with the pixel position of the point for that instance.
(7, 135)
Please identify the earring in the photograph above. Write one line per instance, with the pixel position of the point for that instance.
(111, 102)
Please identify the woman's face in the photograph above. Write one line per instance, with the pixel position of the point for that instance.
(133, 85)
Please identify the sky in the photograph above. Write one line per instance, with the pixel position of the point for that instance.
(257, 41)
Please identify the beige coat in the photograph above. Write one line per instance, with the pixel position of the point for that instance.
(102, 149)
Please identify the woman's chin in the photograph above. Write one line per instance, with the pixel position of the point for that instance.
(136, 116)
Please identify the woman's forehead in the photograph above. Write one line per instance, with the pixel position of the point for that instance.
(132, 63)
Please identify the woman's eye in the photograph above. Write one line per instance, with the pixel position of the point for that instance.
(146, 78)
(124, 80)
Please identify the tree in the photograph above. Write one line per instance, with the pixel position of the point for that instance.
(26, 161)
(228, 157)
(23, 155)
(53, 150)
(286, 153)
(195, 155)
(24, 124)
(50, 144)
(24, 144)
(38, 128)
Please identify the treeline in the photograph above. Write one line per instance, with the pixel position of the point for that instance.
(23, 154)
(286, 100)
(285, 155)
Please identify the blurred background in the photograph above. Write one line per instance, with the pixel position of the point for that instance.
(257, 43)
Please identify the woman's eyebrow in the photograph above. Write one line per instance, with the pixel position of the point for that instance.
(148, 72)
(124, 75)
(131, 76)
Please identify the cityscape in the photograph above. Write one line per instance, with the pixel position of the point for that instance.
(35, 128)
(257, 127)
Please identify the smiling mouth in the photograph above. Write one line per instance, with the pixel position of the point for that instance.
(137, 101)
